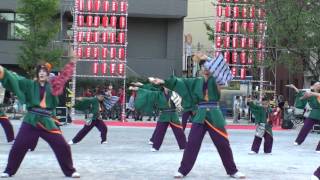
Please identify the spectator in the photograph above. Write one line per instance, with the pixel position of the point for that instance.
(236, 110)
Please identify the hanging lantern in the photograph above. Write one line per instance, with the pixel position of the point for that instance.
(227, 56)
(105, 37)
(112, 68)
(88, 36)
(219, 10)
(88, 52)
(226, 42)
(251, 27)
(80, 20)
(250, 42)
(96, 53)
(106, 5)
(113, 21)
(244, 12)
(89, 5)
(245, 1)
(218, 41)
(104, 53)
(236, 1)
(227, 25)
(243, 42)
(243, 73)
(97, 4)
(218, 26)
(228, 0)
(252, 12)
(112, 37)
(121, 68)
(244, 26)
(80, 5)
(261, 27)
(235, 11)
(95, 68)
(235, 42)
(96, 37)
(235, 26)
(260, 44)
(105, 21)
(80, 36)
(79, 52)
(261, 13)
(250, 57)
(89, 20)
(121, 53)
(260, 56)
(96, 21)
(234, 57)
(114, 6)
(234, 71)
(113, 53)
(243, 57)
(122, 22)
(123, 6)
(104, 68)
(121, 38)
(227, 11)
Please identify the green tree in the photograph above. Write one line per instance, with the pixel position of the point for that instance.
(40, 17)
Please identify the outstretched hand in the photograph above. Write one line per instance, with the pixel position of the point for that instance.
(199, 56)
(136, 84)
(156, 81)
(133, 88)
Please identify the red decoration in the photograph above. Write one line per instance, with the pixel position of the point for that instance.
(96, 36)
(97, 4)
(112, 68)
(89, 20)
(121, 53)
(244, 26)
(122, 22)
(105, 21)
(104, 53)
(96, 21)
(244, 12)
(235, 42)
(234, 71)
(251, 42)
(227, 25)
(121, 38)
(260, 56)
(95, 68)
(113, 53)
(121, 68)
(261, 28)
(105, 37)
(251, 27)
(250, 57)
(89, 5)
(79, 52)
(243, 57)
(226, 42)
(96, 53)
(235, 27)
(106, 6)
(219, 10)
(114, 6)
(80, 5)
(123, 6)
(218, 26)
(80, 36)
(252, 12)
(227, 56)
(234, 57)
(88, 36)
(243, 73)
(112, 37)
(227, 11)
(88, 52)
(104, 68)
(243, 42)
(218, 41)
(80, 20)
(113, 21)
(235, 11)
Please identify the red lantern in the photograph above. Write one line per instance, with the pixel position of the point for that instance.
(121, 68)
(227, 11)
(112, 68)
(80, 20)
(219, 10)
(243, 57)
(226, 42)
(123, 6)
(121, 53)
(235, 42)
(88, 36)
(227, 56)
(113, 53)
(79, 52)
(228, 0)
(252, 12)
(261, 27)
(243, 42)
(234, 71)
(227, 25)
(80, 36)
(218, 26)
(245, 1)
(261, 13)
(251, 42)
(105, 37)
(113, 21)
(244, 26)
(89, 21)
(80, 5)
(260, 44)
(89, 5)
(96, 53)
(96, 21)
(88, 52)
(122, 22)
(95, 68)
(244, 12)
(96, 37)
(218, 41)
(97, 4)
(121, 38)
(250, 58)
(234, 57)
(104, 68)
(106, 6)
(105, 21)
(235, 11)
(260, 56)
(243, 73)
(236, 1)
(104, 53)
(251, 27)
(235, 27)
(112, 37)
(114, 6)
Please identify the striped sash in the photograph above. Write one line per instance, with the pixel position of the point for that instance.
(176, 99)
(109, 102)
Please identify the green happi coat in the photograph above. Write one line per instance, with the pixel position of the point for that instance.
(28, 92)
(2, 114)
(89, 105)
(146, 99)
(261, 115)
(191, 91)
(314, 103)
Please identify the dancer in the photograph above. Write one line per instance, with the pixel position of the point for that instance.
(165, 100)
(95, 105)
(41, 99)
(264, 126)
(205, 94)
(7, 127)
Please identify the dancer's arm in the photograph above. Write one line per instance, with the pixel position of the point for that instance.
(293, 87)
(145, 99)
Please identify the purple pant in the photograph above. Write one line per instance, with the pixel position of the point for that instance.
(307, 126)
(8, 129)
(99, 124)
(161, 130)
(26, 136)
(185, 118)
(318, 147)
(317, 172)
(195, 138)
(268, 142)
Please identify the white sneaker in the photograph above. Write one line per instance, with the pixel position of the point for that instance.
(318, 152)
(150, 143)
(238, 175)
(296, 144)
(104, 142)
(75, 175)
(5, 175)
(71, 142)
(153, 150)
(252, 153)
(313, 177)
(178, 175)
(268, 153)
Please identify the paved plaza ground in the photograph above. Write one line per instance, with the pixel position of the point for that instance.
(127, 156)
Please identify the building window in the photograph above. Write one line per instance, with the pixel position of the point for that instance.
(9, 24)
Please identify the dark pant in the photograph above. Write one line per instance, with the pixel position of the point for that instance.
(26, 136)
(318, 147)
(185, 118)
(307, 126)
(161, 130)
(317, 172)
(99, 124)
(195, 138)
(8, 129)
(268, 142)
